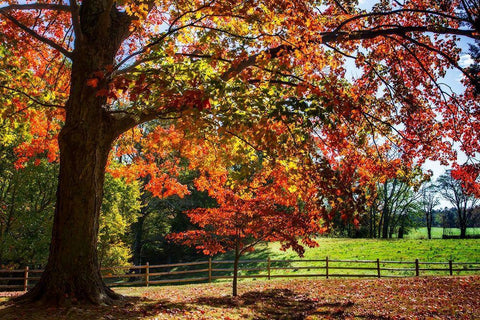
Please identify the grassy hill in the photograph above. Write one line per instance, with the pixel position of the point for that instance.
(405, 250)
(460, 250)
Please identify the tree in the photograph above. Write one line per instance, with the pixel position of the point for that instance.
(27, 198)
(398, 203)
(100, 68)
(244, 218)
(430, 200)
(120, 209)
(463, 201)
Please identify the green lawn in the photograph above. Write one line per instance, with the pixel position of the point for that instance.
(460, 250)
(434, 250)
(421, 233)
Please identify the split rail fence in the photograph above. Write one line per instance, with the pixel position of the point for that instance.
(210, 270)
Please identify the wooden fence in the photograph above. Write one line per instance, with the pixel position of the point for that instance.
(210, 270)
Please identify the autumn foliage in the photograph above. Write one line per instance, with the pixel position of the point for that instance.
(284, 109)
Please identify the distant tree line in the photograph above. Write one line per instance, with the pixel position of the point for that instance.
(398, 208)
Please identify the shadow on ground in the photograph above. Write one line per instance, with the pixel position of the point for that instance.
(280, 304)
(276, 304)
(128, 308)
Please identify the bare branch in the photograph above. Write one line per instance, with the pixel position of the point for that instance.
(334, 36)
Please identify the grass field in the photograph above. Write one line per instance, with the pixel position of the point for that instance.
(412, 298)
(434, 250)
(460, 250)
(421, 233)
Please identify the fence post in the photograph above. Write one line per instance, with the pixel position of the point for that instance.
(268, 267)
(378, 268)
(25, 279)
(417, 268)
(326, 267)
(210, 269)
(147, 274)
(450, 267)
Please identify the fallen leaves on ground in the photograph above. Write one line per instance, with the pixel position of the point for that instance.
(410, 298)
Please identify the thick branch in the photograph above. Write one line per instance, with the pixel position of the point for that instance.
(336, 36)
(75, 10)
(36, 6)
(125, 120)
(399, 11)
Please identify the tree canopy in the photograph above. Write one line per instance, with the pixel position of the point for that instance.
(323, 89)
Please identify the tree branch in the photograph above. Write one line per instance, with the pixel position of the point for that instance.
(399, 11)
(48, 105)
(334, 36)
(125, 120)
(171, 30)
(75, 10)
(338, 36)
(250, 61)
(36, 6)
(40, 38)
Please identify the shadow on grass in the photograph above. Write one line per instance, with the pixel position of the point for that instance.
(128, 308)
(280, 304)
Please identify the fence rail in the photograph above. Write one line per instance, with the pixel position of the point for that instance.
(209, 270)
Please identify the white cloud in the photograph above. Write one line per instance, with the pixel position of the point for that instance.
(465, 60)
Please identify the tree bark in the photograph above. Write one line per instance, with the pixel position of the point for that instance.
(235, 270)
(72, 273)
(386, 224)
(428, 216)
(462, 221)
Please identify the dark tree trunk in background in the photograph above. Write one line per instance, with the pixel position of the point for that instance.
(429, 221)
(385, 223)
(137, 228)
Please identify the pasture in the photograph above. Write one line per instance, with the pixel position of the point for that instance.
(441, 250)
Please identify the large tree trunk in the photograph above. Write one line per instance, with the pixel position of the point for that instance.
(72, 273)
